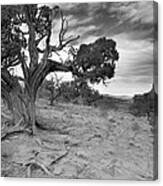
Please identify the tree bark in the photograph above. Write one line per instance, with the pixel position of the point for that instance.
(32, 116)
(23, 102)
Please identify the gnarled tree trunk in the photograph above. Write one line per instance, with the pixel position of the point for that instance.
(31, 109)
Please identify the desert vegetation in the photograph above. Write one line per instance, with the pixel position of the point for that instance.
(90, 62)
(66, 129)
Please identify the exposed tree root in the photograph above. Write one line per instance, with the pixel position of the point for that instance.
(17, 129)
(14, 133)
(38, 164)
(6, 116)
(59, 158)
(57, 130)
(19, 122)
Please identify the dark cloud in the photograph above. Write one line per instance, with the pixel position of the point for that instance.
(112, 17)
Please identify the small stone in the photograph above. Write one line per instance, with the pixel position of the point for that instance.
(58, 171)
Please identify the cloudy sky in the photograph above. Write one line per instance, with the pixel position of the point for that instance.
(130, 24)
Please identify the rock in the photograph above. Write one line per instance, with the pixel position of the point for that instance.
(58, 171)
(82, 154)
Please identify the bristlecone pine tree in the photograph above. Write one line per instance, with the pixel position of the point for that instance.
(23, 30)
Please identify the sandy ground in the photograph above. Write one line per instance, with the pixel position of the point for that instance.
(82, 142)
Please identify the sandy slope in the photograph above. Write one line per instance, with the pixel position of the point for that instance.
(83, 142)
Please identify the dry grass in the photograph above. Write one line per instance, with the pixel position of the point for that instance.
(83, 142)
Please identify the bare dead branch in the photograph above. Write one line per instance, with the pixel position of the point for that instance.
(40, 39)
(70, 40)
(24, 67)
(62, 45)
(63, 30)
(48, 36)
(59, 57)
(56, 66)
(20, 16)
(40, 50)
(12, 63)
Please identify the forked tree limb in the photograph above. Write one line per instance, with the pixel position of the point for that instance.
(43, 70)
